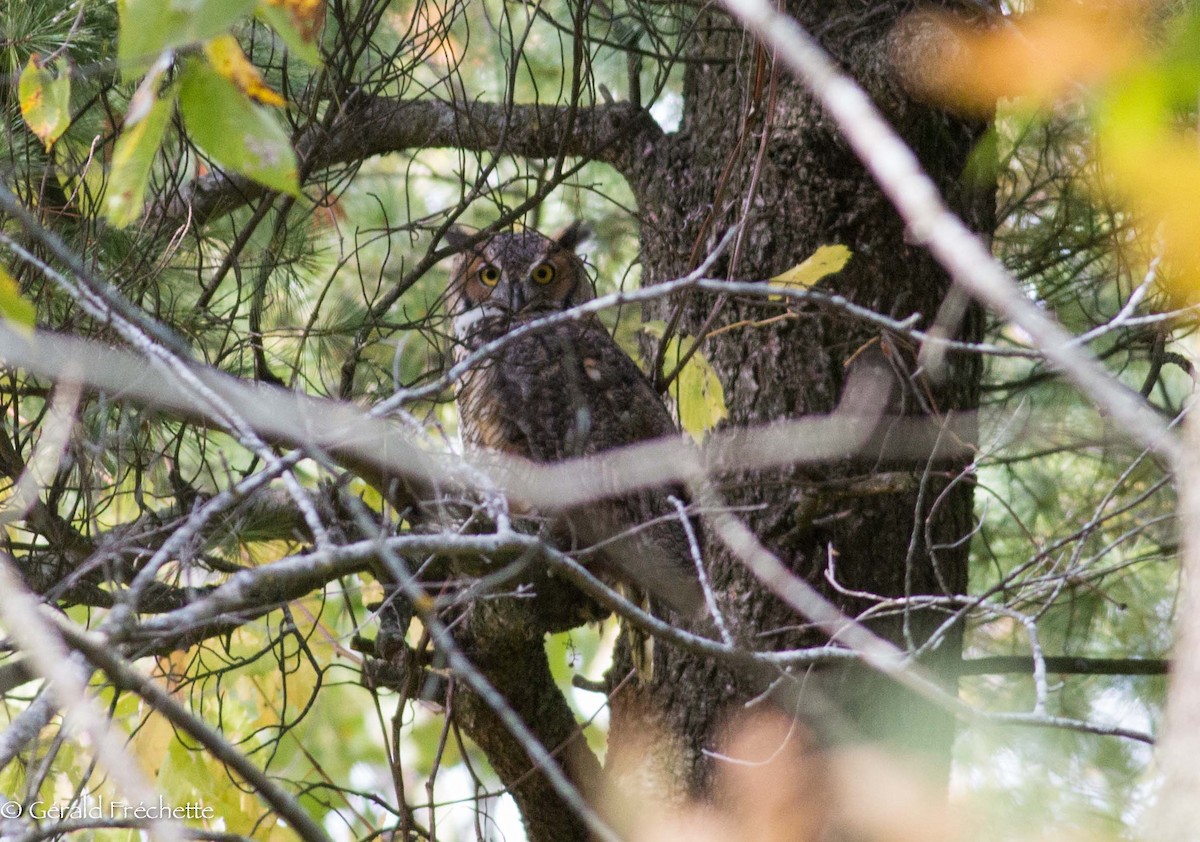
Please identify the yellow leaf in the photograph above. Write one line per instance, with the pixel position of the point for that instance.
(368, 494)
(14, 307)
(152, 743)
(699, 395)
(234, 131)
(307, 15)
(226, 57)
(824, 261)
(45, 101)
(1159, 179)
(372, 592)
(696, 389)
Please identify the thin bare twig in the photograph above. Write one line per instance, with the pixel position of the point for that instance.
(42, 643)
(98, 650)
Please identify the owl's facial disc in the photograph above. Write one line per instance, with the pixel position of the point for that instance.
(518, 274)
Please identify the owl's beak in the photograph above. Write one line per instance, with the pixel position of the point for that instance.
(516, 298)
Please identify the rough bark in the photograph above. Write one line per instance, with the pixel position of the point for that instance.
(506, 642)
(772, 160)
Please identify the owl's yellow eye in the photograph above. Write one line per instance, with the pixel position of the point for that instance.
(489, 276)
(543, 273)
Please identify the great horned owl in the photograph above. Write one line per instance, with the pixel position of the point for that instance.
(565, 391)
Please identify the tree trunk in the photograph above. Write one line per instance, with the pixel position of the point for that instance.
(754, 147)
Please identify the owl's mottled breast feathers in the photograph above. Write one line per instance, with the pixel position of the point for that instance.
(562, 391)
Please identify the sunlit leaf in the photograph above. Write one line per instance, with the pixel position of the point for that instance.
(298, 23)
(238, 134)
(15, 308)
(226, 57)
(823, 262)
(147, 27)
(45, 101)
(12, 776)
(194, 777)
(698, 393)
(152, 743)
(368, 494)
(371, 591)
(133, 156)
(1159, 179)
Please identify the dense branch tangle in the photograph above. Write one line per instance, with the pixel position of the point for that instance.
(171, 512)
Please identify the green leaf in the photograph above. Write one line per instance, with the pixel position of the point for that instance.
(14, 307)
(133, 156)
(824, 261)
(147, 27)
(236, 133)
(283, 21)
(983, 162)
(45, 101)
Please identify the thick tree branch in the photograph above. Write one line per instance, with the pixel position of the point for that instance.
(521, 732)
(1176, 814)
(506, 644)
(384, 455)
(611, 133)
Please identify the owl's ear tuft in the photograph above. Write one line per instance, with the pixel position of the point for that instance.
(457, 237)
(573, 235)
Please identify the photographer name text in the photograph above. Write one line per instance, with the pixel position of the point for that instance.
(101, 808)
